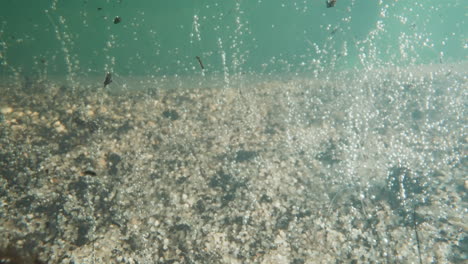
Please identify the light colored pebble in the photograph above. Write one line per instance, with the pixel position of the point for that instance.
(59, 127)
(6, 110)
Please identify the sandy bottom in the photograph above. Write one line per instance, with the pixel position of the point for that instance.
(370, 169)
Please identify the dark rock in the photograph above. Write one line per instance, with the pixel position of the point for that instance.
(228, 184)
(83, 160)
(243, 155)
(66, 143)
(222, 180)
(265, 199)
(171, 114)
(113, 160)
(164, 197)
(25, 203)
(181, 180)
(200, 206)
(228, 198)
(181, 227)
(82, 234)
(402, 180)
(51, 208)
(123, 129)
(134, 242)
(154, 176)
(89, 173)
(80, 188)
(305, 213)
(298, 261)
(11, 255)
(330, 155)
(282, 222)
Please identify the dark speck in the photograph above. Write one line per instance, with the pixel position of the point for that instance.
(117, 20)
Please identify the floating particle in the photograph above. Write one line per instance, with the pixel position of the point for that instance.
(99, 8)
(200, 62)
(117, 20)
(330, 3)
(108, 79)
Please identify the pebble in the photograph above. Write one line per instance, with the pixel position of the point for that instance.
(59, 127)
(6, 110)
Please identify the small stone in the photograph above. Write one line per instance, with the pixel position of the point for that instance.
(59, 127)
(171, 114)
(6, 110)
(243, 155)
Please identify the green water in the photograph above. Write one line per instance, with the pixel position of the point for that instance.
(161, 37)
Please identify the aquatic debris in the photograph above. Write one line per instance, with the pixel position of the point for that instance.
(200, 62)
(330, 3)
(108, 79)
(117, 20)
(89, 173)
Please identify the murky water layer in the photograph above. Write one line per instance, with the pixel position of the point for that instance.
(367, 167)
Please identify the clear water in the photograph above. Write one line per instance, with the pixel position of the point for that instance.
(240, 132)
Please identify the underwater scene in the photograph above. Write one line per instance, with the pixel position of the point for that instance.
(242, 131)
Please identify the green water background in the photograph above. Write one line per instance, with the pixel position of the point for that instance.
(157, 38)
